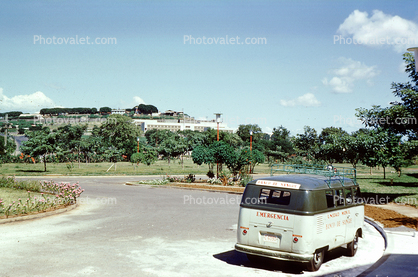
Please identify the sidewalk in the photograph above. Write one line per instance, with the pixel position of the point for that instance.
(400, 257)
(402, 209)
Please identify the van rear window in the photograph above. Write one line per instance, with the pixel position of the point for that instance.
(273, 196)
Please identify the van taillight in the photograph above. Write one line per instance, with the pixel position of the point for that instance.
(295, 239)
(244, 232)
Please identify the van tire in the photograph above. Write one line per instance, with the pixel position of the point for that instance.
(317, 260)
(352, 246)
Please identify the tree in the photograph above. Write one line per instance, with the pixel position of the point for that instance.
(202, 154)
(384, 148)
(40, 143)
(172, 147)
(120, 132)
(147, 109)
(9, 148)
(68, 139)
(105, 110)
(402, 116)
(280, 145)
(136, 158)
(230, 138)
(244, 132)
(326, 133)
(307, 143)
(280, 133)
(192, 138)
(149, 156)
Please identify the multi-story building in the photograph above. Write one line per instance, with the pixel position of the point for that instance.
(180, 125)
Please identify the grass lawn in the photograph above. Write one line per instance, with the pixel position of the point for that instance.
(403, 189)
(9, 195)
(122, 168)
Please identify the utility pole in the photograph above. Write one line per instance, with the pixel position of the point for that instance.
(218, 119)
(7, 126)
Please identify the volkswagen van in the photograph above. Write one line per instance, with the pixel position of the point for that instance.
(298, 217)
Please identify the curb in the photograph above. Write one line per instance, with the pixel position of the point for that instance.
(378, 228)
(40, 215)
(185, 188)
(385, 256)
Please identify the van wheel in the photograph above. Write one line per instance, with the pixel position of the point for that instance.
(352, 246)
(254, 258)
(317, 260)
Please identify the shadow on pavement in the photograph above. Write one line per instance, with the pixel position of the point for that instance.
(240, 259)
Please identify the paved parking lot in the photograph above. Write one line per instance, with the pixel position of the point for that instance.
(147, 231)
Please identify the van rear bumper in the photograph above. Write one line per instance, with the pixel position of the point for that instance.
(286, 256)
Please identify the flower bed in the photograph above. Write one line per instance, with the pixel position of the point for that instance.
(53, 196)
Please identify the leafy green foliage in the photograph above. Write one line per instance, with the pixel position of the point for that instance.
(308, 142)
(58, 111)
(40, 143)
(402, 116)
(244, 132)
(105, 110)
(147, 109)
(118, 132)
(136, 158)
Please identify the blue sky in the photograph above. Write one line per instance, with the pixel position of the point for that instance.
(307, 71)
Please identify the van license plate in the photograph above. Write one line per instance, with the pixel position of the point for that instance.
(270, 238)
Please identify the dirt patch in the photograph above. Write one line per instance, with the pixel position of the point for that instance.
(388, 218)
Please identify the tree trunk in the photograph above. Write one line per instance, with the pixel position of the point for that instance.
(78, 156)
(384, 172)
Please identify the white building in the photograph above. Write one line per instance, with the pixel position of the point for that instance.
(180, 125)
(118, 111)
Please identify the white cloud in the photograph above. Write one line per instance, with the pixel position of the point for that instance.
(307, 100)
(378, 30)
(27, 102)
(350, 72)
(138, 100)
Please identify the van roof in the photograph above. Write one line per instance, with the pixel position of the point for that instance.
(307, 181)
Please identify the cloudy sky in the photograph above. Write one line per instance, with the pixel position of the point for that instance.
(271, 63)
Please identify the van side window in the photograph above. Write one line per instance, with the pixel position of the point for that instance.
(329, 195)
(339, 197)
(356, 195)
(348, 196)
(272, 196)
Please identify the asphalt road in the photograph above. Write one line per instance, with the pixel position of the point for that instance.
(120, 230)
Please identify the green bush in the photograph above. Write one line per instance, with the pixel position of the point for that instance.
(9, 182)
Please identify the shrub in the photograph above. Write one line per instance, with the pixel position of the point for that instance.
(210, 174)
(224, 178)
(245, 179)
(214, 181)
(190, 178)
(154, 182)
(173, 179)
